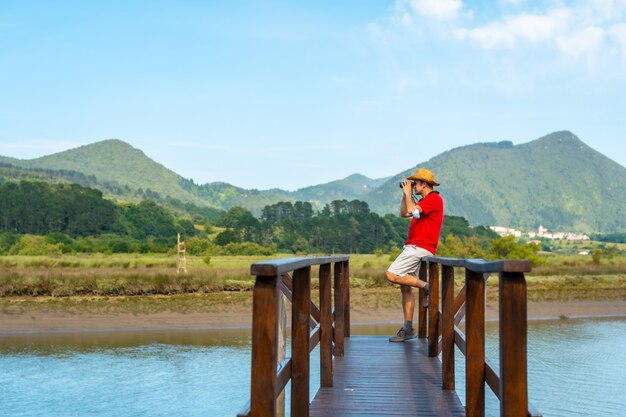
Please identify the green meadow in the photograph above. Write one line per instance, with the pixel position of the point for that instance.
(149, 283)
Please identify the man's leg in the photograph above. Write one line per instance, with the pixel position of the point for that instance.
(409, 280)
(405, 269)
(408, 305)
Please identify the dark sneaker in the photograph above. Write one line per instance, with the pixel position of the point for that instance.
(426, 300)
(403, 335)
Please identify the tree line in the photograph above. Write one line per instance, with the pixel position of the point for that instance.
(72, 218)
(341, 226)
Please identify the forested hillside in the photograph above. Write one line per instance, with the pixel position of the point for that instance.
(39, 218)
(125, 173)
(556, 181)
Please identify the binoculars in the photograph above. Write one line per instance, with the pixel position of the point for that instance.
(403, 182)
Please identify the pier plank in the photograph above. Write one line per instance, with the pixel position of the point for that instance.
(379, 378)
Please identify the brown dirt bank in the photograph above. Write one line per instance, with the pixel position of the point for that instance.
(228, 310)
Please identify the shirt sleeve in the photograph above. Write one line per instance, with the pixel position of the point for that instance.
(431, 204)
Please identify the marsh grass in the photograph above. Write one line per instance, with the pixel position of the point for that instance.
(145, 304)
(124, 275)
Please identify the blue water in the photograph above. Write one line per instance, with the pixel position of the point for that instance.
(576, 368)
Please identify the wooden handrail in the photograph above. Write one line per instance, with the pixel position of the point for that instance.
(511, 385)
(311, 326)
(279, 266)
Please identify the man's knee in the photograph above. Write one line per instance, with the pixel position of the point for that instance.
(406, 289)
(391, 277)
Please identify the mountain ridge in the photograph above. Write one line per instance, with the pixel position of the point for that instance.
(537, 182)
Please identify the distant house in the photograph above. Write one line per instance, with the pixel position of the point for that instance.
(506, 231)
(541, 232)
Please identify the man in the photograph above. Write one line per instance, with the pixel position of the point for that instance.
(422, 241)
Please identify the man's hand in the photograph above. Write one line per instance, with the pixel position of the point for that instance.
(406, 187)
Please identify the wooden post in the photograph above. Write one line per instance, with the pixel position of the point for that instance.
(513, 345)
(346, 298)
(326, 328)
(421, 312)
(264, 346)
(475, 349)
(339, 314)
(447, 324)
(181, 258)
(282, 349)
(433, 309)
(300, 334)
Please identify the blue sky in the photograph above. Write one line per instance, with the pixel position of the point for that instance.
(266, 94)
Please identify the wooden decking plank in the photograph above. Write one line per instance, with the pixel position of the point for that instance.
(378, 378)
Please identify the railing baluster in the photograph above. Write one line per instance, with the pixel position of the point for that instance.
(513, 335)
(422, 321)
(447, 324)
(346, 298)
(475, 356)
(433, 309)
(326, 325)
(339, 313)
(301, 311)
(264, 346)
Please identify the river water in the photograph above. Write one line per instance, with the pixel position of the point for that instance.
(576, 368)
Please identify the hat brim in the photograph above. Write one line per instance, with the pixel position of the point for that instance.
(434, 183)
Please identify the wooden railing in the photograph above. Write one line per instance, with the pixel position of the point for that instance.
(310, 326)
(441, 327)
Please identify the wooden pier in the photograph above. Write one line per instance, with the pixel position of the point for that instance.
(378, 378)
(368, 376)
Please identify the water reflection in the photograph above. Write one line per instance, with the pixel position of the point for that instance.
(575, 368)
(53, 343)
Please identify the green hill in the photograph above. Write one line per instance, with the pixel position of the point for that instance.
(356, 186)
(116, 162)
(556, 181)
(126, 173)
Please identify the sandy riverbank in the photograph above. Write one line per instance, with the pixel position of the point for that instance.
(36, 320)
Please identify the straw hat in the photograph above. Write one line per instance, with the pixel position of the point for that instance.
(424, 175)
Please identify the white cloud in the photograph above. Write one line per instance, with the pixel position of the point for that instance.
(584, 42)
(509, 31)
(489, 36)
(569, 32)
(617, 33)
(437, 9)
(607, 9)
(406, 18)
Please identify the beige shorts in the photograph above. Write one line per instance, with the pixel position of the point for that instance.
(408, 262)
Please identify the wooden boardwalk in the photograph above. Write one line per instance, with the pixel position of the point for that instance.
(367, 375)
(379, 378)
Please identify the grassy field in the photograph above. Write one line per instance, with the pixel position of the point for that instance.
(144, 283)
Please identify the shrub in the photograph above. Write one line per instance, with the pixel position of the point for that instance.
(248, 248)
(197, 246)
(596, 255)
(456, 247)
(32, 245)
(395, 252)
(507, 247)
(6, 241)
